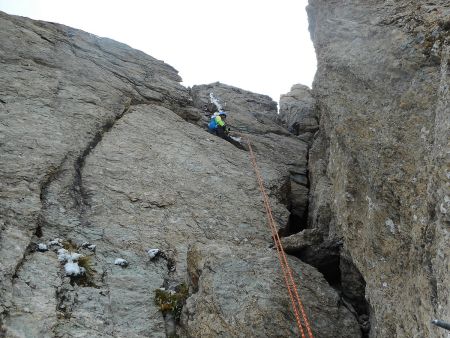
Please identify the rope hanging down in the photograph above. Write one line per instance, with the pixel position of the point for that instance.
(297, 305)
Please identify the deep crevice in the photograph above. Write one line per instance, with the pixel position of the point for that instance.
(38, 233)
(294, 225)
(325, 255)
(298, 217)
(326, 259)
(342, 275)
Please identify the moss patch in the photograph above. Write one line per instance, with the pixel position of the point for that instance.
(172, 301)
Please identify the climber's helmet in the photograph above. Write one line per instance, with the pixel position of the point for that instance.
(222, 114)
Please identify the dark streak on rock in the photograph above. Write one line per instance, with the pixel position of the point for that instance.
(81, 196)
(28, 251)
(45, 38)
(52, 174)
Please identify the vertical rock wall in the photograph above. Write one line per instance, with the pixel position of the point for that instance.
(379, 167)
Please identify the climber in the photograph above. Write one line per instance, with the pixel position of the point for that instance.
(218, 126)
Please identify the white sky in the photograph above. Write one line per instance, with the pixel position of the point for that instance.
(262, 46)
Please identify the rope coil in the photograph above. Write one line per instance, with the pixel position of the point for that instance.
(291, 286)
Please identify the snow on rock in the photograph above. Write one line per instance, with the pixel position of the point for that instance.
(121, 262)
(66, 256)
(55, 242)
(89, 246)
(63, 255)
(237, 139)
(153, 253)
(73, 269)
(42, 247)
(215, 101)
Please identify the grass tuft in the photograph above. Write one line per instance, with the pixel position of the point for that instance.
(69, 245)
(87, 278)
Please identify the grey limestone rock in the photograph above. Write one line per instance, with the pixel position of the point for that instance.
(298, 112)
(379, 165)
(231, 279)
(97, 149)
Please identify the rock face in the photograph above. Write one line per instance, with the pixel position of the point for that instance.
(379, 167)
(218, 276)
(253, 115)
(102, 154)
(298, 112)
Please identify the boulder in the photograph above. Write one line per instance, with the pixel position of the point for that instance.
(226, 283)
(298, 113)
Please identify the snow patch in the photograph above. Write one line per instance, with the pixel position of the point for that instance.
(66, 256)
(42, 247)
(237, 139)
(89, 246)
(153, 253)
(55, 242)
(215, 101)
(73, 269)
(121, 262)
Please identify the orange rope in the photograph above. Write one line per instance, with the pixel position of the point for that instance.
(287, 272)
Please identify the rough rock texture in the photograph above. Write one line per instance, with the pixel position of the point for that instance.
(379, 167)
(217, 278)
(298, 112)
(254, 116)
(96, 150)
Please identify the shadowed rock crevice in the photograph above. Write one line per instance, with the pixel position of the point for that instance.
(314, 247)
(298, 113)
(295, 225)
(337, 269)
(298, 201)
(310, 246)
